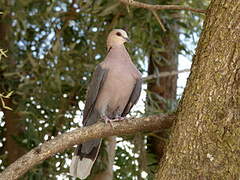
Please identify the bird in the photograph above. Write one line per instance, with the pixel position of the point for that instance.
(114, 89)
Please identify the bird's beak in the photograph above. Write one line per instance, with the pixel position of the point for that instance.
(127, 39)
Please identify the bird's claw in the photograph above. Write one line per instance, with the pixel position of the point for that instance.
(118, 118)
(108, 120)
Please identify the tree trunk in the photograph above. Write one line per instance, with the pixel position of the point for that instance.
(165, 87)
(13, 125)
(206, 137)
(110, 148)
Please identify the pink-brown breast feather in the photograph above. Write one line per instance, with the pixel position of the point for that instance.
(119, 83)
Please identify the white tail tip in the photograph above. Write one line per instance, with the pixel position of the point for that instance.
(81, 168)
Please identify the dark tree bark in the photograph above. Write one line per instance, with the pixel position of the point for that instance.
(205, 143)
(165, 87)
(13, 125)
(14, 128)
(107, 174)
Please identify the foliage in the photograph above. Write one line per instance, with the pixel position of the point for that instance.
(54, 47)
(2, 96)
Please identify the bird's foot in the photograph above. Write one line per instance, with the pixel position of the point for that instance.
(107, 120)
(118, 118)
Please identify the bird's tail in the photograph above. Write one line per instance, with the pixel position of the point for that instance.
(84, 158)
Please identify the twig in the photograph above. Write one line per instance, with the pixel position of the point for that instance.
(164, 74)
(2, 97)
(160, 7)
(67, 140)
(159, 20)
(3, 53)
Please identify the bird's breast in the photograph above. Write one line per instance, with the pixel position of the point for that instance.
(116, 91)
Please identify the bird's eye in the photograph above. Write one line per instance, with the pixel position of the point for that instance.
(118, 34)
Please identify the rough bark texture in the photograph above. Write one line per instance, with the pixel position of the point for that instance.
(206, 139)
(67, 140)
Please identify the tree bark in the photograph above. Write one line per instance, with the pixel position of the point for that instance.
(205, 143)
(107, 174)
(14, 127)
(165, 87)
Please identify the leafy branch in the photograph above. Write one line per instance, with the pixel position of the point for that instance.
(160, 7)
(154, 8)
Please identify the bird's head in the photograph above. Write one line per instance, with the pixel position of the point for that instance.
(117, 37)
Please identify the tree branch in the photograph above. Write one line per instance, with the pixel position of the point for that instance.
(160, 7)
(164, 74)
(159, 20)
(67, 140)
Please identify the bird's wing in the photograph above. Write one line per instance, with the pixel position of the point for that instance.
(94, 88)
(134, 97)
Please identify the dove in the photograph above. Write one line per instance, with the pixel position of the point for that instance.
(114, 89)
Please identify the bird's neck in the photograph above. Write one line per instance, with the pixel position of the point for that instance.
(118, 53)
(116, 47)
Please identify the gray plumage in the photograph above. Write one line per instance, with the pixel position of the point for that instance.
(114, 89)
